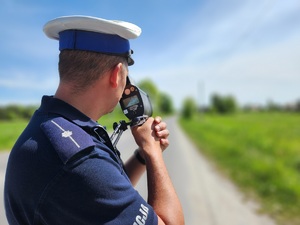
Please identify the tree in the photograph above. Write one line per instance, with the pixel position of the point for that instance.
(165, 104)
(297, 106)
(149, 87)
(223, 104)
(272, 106)
(189, 108)
(13, 112)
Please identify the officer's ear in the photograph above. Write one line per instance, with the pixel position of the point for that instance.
(115, 75)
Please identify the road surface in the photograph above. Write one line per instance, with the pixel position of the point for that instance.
(207, 197)
(3, 161)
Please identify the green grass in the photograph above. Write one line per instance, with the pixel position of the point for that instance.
(260, 152)
(9, 132)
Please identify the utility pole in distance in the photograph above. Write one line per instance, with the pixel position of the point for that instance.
(201, 96)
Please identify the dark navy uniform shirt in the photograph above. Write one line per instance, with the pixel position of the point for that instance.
(63, 170)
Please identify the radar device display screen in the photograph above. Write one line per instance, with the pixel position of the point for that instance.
(135, 102)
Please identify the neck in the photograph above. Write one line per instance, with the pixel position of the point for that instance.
(85, 102)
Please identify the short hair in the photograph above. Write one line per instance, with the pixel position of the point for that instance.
(83, 68)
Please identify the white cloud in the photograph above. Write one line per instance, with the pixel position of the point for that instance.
(29, 80)
(280, 61)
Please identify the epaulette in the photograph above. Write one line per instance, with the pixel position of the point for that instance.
(67, 138)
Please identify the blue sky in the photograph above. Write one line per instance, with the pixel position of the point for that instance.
(249, 49)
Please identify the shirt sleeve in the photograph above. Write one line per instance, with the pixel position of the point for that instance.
(94, 190)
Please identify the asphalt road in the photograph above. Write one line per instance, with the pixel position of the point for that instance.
(3, 161)
(207, 197)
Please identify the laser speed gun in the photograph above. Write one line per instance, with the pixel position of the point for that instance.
(136, 106)
(135, 103)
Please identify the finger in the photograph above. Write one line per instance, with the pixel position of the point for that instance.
(161, 126)
(157, 119)
(164, 143)
(157, 128)
(163, 134)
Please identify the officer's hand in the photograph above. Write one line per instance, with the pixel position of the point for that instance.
(152, 136)
(161, 132)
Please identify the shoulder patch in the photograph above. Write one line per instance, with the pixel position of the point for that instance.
(66, 137)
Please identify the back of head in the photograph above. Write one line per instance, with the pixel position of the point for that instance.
(82, 68)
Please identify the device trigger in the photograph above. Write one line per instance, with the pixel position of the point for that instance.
(138, 121)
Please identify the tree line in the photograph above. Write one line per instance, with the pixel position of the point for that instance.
(163, 104)
(227, 104)
(16, 112)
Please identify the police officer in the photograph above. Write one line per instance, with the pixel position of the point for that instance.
(63, 169)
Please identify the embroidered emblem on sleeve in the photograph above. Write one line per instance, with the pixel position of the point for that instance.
(66, 138)
(66, 133)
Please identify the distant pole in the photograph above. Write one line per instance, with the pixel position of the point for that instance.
(201, 95)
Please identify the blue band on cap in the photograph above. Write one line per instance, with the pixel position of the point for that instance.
(92, 41)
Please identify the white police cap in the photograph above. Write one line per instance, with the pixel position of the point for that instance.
(93, 34)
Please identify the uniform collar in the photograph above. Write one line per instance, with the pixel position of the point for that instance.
(57, 106)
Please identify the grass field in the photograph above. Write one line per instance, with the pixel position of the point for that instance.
(10, 130)
(258, 151)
